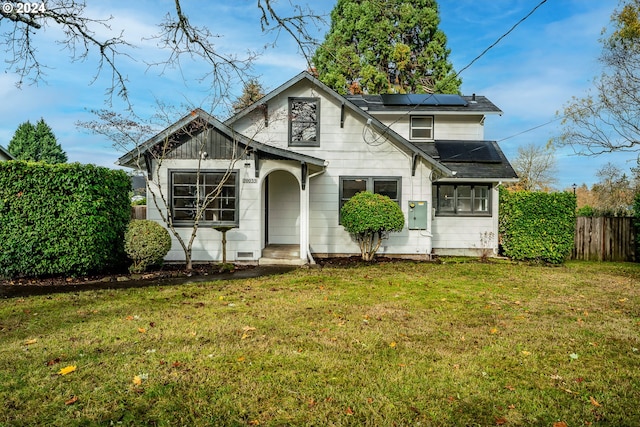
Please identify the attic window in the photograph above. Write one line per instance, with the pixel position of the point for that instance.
(422, 128)
(304, 122)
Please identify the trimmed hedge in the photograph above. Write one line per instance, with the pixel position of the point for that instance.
(62, 219)
(536, 226)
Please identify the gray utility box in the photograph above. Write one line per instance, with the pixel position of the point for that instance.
(418, 214)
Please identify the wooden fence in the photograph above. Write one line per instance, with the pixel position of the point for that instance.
(139, 212)
(604, 239)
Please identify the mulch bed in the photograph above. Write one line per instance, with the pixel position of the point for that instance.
(175, 270)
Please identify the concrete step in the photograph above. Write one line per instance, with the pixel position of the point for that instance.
(281, 255)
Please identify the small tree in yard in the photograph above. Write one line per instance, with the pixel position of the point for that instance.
(370, 218)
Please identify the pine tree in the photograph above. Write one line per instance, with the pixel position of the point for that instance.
(251, 93)
(386, 46)
(36, 143)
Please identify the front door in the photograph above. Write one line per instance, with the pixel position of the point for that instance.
(282, 209)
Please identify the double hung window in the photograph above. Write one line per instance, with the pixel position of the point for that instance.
(422, 128)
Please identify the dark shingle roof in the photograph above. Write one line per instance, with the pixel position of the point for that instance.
(475, 105)
(470, 159)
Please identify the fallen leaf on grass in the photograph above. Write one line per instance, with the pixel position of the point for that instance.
(493, 331)
(67, 370)
(254, 423)
(137, 380)
(509, 387)
(349, 411)
(30, 342)
(573, 356)
(593, 401)
(392, 344)
(526, 353)
(560, 424)
(142, 330)
(71, 401)
(501, 421)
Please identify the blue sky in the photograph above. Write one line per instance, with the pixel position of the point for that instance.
(531, 74)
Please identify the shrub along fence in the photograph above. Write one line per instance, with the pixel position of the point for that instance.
(604, 239)
(536, 226)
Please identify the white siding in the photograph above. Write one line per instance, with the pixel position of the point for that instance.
(464, 235)
(350, 150)
(447, 126)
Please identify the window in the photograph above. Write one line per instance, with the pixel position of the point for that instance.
(304, 121)
(387, 186)
(462, 199)
(221, 209)
(422, 127)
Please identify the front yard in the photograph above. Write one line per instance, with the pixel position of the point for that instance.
(458, 343)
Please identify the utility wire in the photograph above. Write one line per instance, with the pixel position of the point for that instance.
(456, 74)
(501, 37)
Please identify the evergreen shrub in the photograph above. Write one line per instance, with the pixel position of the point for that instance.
(146, 243)
(536, 226)
(369, 217)
(61, 219)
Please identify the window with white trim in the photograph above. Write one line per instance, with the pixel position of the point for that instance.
(421, 128)
(304, 122)
(462, 199)
(190, 192)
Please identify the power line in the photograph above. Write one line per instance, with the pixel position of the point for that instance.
(456, 74)
(501, 37)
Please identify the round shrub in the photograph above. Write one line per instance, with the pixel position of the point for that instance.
(146, 243)
(369, 217)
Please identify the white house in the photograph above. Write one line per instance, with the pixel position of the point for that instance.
(303, 150)
(5, 155)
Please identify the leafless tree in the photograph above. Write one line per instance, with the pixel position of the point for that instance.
(176, 36)
(607, 119)
(129, 133)
(536, 168)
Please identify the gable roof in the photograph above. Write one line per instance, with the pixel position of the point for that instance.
(375, 123)
(5, 153)
(129, 159)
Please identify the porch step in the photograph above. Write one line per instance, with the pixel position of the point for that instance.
(281, 255)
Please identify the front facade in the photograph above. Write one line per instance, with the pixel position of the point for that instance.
(282, 168)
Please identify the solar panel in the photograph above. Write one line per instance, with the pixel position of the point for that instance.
(430, 99)
(467, 151)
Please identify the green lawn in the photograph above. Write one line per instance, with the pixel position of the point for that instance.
(450, 344)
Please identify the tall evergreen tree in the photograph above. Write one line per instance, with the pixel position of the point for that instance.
(36, 143)
(251, 92)
(386, 46)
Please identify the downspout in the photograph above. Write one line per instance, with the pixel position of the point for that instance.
(309, 256)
